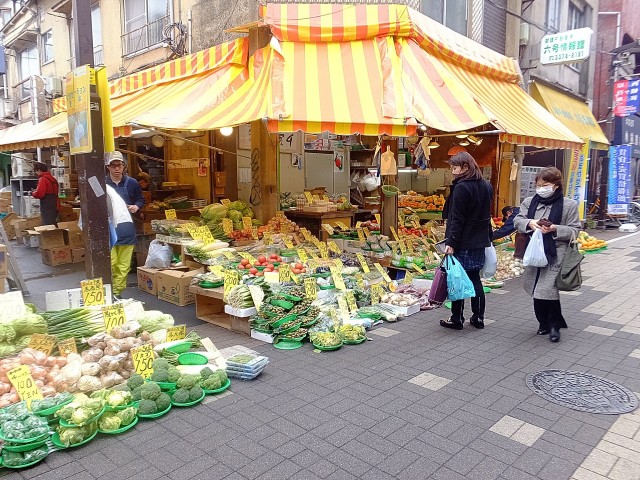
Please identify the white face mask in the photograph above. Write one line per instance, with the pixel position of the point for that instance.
(546, 191)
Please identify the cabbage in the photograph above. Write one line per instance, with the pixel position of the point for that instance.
(110, 421)
(73, 435)
(116, 398)
(214, 213)
(235, 215)
(153, 320)
(127, 416)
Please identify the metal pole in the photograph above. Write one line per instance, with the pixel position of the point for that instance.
(90, 166)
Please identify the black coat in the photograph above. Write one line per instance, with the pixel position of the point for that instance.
(508, 228)
(468, 214)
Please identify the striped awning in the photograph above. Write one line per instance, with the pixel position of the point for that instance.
(49, 133)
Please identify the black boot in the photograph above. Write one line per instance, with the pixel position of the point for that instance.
(451, 324)
(477, 322)
(554, 335)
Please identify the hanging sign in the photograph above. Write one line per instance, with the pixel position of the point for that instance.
(170, 214)
(77, 91)
(24, 384)
(324, 250)
(143, 360)
(92, 292)
(619, 189)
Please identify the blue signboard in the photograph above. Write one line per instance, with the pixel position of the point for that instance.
(627, 132)
(619, 193)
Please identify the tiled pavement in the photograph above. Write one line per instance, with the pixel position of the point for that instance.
(417, 401)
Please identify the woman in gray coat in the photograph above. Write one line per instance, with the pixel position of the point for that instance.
(557, 217)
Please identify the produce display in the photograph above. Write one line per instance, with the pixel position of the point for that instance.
(418, 202)
(589, 243)
(16, 334)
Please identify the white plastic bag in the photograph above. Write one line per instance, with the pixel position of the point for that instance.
(490, 262)
(159, 256)
(534, 255)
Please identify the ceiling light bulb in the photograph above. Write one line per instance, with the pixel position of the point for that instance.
(464, 143)
(178, 141)
(462, 135)
(226, 131)
(434, 144)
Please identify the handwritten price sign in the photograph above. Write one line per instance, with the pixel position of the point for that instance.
(170, 214)
(22, 380)
(113, 316)
(42, 342)
(65, 347)
(363, 262)
(92, 292)
(143, 360)
(177, 332)
(311, 288)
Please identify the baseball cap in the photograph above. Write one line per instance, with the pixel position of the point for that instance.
(455, 150)
(114, 157)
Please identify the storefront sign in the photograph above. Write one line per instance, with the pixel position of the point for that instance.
(577, 178)
(626, 97)
(77, 90)
(565, 47)
(627, 132)
(619, 179)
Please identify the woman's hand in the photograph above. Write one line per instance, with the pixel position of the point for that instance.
(549, 229)
(448, 250)
(533, 225)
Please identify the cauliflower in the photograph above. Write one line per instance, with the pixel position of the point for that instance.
(150, 391)
(160, 375)
(128, 415)
(163, 402)
(181, 395)
(195, 393)
(134, 381)
(147, 407)
(187, 381)
(173, 374)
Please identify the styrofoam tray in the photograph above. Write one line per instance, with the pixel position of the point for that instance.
(240, 312)
(405, 311)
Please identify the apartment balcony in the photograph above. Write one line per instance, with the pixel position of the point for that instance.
(144, 37)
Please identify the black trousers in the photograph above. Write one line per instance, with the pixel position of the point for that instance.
(549, 314)
(477, 302)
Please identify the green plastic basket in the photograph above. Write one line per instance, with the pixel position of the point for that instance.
(189, 404)
(25, 465)
(180, 347)
(154, 415)
(49, 411)
(285, 319)
(25, 447)
(390, 190)
(55, 439)
(192, 358)
(120, 430)
(215, 391)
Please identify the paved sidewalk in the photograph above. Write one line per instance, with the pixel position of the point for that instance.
(417, 402)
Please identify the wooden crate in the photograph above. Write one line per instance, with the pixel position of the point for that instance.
(210, 309)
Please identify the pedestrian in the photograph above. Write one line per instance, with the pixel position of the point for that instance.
(467, 211)
(127, 187)
(123, 243)
(47, 192)
(557, 217)
(508, 216)
(144, 180)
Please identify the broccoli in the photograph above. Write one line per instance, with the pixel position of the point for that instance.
(163, 402)
(173, 374)
(147, 407)
(123, 387)
(150, 391)
(181, 395)
(206, 372)
(211, 383)
(160, 364)
(160, 376)
(134, 381)
(195, 393)
(222, 375)
(136, 393)
(187, 381)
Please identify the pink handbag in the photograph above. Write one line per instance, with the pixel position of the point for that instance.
(438, 292)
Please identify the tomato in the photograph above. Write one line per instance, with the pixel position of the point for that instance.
(240, 267)
(278, 259)
(273, 256)
(297, 271)
(299, 266)
(253, 270)
(262, 259)
(270, 265)
(259, 274)
(244, 262)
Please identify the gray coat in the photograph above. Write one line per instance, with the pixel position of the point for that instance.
(545, 287)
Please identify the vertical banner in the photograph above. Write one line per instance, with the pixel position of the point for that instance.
(577, 178)
(105, 106)
(77, 90)
(619, 179)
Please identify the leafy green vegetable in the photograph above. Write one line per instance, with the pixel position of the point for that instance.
(110, 421)
(128, 415)
(74, 435)
(214, 213)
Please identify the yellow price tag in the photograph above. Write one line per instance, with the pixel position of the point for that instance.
(306, 234)
(254, 233)
(342, 225)
(42, 342)
(249, 257)
(65, 347)
(394, 233)
(229, 255)
(92, 292)
(302, 255)
(382, 271)
(363, 262)
(410, 246)
(113, 316)
(316, 198)
(358, 224)
(403, 247)
(247, 223)
(333, 247)
(267, 238)
(342, 306)
(338, 281)
(328, 228)
(366, 232)
(170, 214)
(217, 269)
(226, 202)
(361, 236)
(418, 269)
(143, 360)
(351, 301)
(230, 280)
(24, 384)
(339, 264)
(177, 332)
(309, 197)
(394, 248)
(227, 226)
(376, 293)
(324, 250)
(377, 215)
(408, 278)
(313, 254)
(311, 288)
(360, 281)
(284, 273)
(288, 243)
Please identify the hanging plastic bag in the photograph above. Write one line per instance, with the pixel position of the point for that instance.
(159, 256)
(534, 256)
(459, 285)
(490, 262)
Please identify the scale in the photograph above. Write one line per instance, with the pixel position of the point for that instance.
(14, 270)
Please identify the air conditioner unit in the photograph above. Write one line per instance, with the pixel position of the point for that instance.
(22, 164)
(53, 86)
(524, 33)
(7, 108)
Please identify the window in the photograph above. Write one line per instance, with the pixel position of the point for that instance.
(47, 47)
(96, 29)
(144, 22)
(553, 15)
(29, 64)
(451, 13)
(576, 20)
(5, 16)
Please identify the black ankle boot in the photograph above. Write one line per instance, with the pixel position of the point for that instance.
(451, 324)
(554, 335)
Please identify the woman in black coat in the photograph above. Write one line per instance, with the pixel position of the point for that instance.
(468, 215)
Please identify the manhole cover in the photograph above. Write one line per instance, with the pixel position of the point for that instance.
(582, 391)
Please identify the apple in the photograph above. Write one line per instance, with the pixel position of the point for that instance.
(259, 274)
(297, 271)
(273, 256)
(299, 266)
(270, 265)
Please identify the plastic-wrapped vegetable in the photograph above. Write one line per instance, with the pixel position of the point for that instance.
(110, 421)
(127, 416)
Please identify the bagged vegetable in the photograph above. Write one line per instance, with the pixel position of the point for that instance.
(109, 379)
(89, 383)
(92, 368)
(534, 255)
(159, 255)
(92, 354)
(112, 362)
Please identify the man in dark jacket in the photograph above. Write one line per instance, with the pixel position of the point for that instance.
(128, 188)
(508, 228)
(47, 192)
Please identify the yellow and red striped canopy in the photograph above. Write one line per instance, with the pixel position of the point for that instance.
(49, 133)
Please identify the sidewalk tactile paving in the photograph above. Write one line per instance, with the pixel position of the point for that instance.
(212, 398)
(430, 381)
(635, 353)
(575, 294)
(384, 332)
(600, 330)
(517, 430)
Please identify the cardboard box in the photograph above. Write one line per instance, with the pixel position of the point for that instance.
(50, 236)
(3, 285)
(71, 298)
(78, 255)
(73, 236)
(173, 287)
(21, 225)
(148, 280)
(56, 256)
(4, 262)
(31, 239)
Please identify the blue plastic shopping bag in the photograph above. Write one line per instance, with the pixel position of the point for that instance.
(459, 285)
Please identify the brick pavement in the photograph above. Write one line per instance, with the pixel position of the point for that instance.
(416, 402)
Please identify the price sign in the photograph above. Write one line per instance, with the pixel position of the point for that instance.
(361, 236)
(359, 281)
(266, 238)
(249, 257)
(328, 228)
(177, 332)
(313, 254)
(254, 233)
(113, 316)
(284, 273)
(230, 281)
(339, 264)
(410, 246)
(12, 305)
(309, 197)
(217, 269)
(313, 264)
(170, 214)
(394, 233)
(351, 301)
(337, 278)
(311, 288)
(403, 247)
(324, 250)
(382, 271)
(416, 224)
(226, 202)
(217, 356)
(394, 248)
(363, 262)
(376, 294)
(302, 255)
(192, 228)
(23, 382)
(42, 342)
(408, 278)
(206, 236)
(65, 347)
(366, 232)
(227, 226)
(257, 295)
(418, 269)
(333, 247)
(92, 292)
(358, 224)
(279, 214)
(143, 360)
(247, 223)
(316, 198)
(288, 243)
(377, 215)
(342, 225)
(342, 306)
(229, 255)
(306, 234)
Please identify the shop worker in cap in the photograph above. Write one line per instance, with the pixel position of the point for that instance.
(47, 192)
(129, 190)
